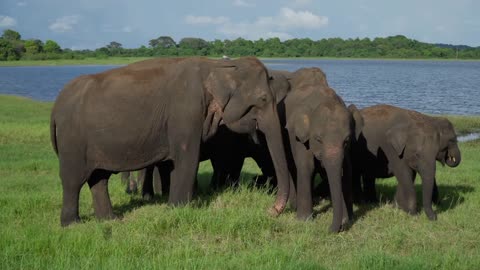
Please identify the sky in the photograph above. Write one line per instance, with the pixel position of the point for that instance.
(90, 24)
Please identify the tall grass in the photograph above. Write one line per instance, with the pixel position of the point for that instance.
(225, 230)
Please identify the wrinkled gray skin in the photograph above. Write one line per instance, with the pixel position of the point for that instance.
(227, 151)
(401, 143)
(320, 129)
(156, 111)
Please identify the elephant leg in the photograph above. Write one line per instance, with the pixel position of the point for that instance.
(72, 184)
(305, 171)
(157, 184)
(427, 172)
(369, 189)
(98, 183)
(357, 191)
(347, 190)
(405, 196)
(146, 175)
(435, 195)
(219, 176)
(184, 173)
(322, 190)
(129, 181)
(164, 170)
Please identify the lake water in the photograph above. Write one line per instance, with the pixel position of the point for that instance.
(437, 87)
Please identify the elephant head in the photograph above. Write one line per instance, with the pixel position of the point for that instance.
(239, 96)
(433, 137)
(448, 153)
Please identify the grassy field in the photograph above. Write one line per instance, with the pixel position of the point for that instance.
(227, 230)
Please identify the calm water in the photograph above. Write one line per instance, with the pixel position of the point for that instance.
(438, 87)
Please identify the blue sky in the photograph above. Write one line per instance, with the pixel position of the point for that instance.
(94, 23)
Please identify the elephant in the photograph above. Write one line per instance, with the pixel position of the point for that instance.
(227, 150)
(401, 143)
(157, 111)
(132, 183)
(320, 130)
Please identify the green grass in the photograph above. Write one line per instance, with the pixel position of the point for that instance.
(226, 230)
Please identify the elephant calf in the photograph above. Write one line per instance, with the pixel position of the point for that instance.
(399, 142)
(320, 129)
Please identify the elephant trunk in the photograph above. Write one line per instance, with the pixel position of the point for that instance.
(453, 156)
(269, 124)
(333, 164)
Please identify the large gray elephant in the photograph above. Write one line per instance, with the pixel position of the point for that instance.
(153, 111)
(320, 129)
(401, 143)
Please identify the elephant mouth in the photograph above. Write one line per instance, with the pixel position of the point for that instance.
(451, 160)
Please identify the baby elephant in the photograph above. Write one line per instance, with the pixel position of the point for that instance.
(401, 143)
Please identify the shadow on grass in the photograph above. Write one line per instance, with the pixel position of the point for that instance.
(450, 196)
(204, 195)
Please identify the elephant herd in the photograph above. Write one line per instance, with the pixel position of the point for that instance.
(169, 114)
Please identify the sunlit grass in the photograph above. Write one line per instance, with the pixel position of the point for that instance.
(225, 230)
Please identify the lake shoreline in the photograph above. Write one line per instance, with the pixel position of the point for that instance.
(127, 60)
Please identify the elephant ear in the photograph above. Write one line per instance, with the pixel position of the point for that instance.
(299, 124)
(357, 118)
(219, 86)
(397, 137)
(220, 83)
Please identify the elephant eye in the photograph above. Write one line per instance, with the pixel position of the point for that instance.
(318, 139)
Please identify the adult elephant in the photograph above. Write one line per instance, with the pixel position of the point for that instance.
(320, 128)
(158, 110)
(227, 150)
(401, 143)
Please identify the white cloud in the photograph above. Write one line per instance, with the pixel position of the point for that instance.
(242, 3)
(6, 21)
(21, 4)
(274, 26)
(300, 19)
(190, 19)
(64, 24)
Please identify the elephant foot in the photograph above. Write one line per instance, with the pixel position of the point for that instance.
(66, 221)
(132, 187)
(304, 216)
(147, 197)
(431, 215)
(336, 228)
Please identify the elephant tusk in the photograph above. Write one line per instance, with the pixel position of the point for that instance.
(453, 158)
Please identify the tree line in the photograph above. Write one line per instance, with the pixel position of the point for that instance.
(12, 48)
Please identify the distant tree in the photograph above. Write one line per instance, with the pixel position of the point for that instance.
(114, 45)
(10, 34)
(163, 42)
(33, 46)
(8, 51)
(51, 47)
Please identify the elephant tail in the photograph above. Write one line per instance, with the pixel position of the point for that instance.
(53, 134)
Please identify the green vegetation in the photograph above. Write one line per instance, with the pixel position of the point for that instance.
(226, 230)
(12, 48)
